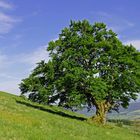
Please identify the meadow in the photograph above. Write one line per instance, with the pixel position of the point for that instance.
(23, 120)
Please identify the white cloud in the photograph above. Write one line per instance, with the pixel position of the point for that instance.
(8, 76)
(3, 61)
(5, 5)
(29, 59)
(7, 22)
(34, 57)
(5, 18)
(135, 43)
(10, 86)
(2, 57)
(104, 14)
(115, 22)
(14, 68)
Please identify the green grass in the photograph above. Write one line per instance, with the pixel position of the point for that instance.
(23, 120)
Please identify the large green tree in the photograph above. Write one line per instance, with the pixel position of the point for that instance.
(89, 66)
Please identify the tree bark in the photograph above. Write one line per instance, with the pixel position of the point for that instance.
(101, 112)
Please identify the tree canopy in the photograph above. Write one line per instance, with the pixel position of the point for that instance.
(89, 66)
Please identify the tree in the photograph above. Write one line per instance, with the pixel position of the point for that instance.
(89, 66)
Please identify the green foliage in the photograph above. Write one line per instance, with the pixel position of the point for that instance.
(88, 65)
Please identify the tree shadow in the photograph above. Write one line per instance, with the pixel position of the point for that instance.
(60, 113)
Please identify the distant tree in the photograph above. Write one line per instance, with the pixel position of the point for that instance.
(89, 66)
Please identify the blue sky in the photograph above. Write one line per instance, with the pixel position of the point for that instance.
(26, 27)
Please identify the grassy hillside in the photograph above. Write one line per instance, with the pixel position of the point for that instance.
(23, 120)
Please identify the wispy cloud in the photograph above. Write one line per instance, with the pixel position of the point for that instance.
(115, 22)
(103, 14)
(6, 76)
(14, 68)
(3, 61)
(2, 57)
(5, 5)
(7, 22)
(135, 43)
(32, 58)
(6, 18)
(10, 86)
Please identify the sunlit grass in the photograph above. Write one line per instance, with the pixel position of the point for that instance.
(36, 122)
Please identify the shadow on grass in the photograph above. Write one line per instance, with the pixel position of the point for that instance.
(60, 113)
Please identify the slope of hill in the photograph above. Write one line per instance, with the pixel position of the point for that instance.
(23, 120)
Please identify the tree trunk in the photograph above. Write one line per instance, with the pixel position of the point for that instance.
(101, 112)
